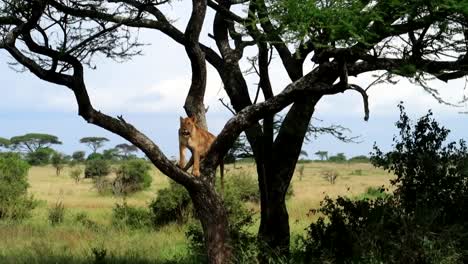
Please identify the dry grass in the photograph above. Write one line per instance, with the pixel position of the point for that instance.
(26, 242)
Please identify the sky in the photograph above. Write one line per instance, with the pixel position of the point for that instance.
(149, 91)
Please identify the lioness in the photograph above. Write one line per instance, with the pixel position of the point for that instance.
(198, 140)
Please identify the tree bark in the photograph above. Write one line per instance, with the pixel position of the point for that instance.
(214, 220)
(274, 233)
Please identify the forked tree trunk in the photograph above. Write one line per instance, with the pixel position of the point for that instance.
(278, 161)
(214, 220)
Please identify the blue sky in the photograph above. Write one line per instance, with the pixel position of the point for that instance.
(149, 92)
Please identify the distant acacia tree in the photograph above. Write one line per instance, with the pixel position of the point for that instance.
(32, 142)
(126, 150)
(94, 143)
(111, 154)
(323, 155)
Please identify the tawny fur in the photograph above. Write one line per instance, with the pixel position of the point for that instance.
(198, 141)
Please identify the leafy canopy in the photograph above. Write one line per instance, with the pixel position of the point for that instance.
(95, 143)
(33, 141)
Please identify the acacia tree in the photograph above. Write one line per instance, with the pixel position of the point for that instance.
(322, 154)
(413, 39)
(32, 142)
(126, 150)
(94, 143)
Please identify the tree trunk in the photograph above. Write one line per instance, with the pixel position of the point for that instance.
(278, 168)
(273, 233)
(214, 220)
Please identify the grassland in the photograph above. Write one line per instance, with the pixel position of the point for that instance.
(37, 241)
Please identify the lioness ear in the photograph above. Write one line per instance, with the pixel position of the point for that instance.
(181, 119)
(194, 118)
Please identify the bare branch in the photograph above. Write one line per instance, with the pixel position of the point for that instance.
(227, 106)
(365, 99)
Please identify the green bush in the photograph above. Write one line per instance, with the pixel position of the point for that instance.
(78, 156)
(103, 185)
(95, 156)
(134, 217)
(97, 168)
(14, 200)
(373, 193)
(56, 213)
(39, 157)
(75, 174)
(375, 231)
(245, 187)
(424, 221)
(83, 219)
(58, 162)
(172, 204)
(132, 176)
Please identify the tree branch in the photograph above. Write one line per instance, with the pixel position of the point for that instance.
(194, 101)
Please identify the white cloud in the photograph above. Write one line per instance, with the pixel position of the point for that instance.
(166, 96)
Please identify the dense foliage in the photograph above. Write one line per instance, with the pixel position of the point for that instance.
(14, 200)
(97, 168)
(39, 157)
(132, 175)
(134, 217)
(172, 204)
(426, 219)
(78, 156)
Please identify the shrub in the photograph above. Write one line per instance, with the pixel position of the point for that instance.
(428, 172)
(75, 174)
(132, 176)
(245, 187)
(56, 213)
(83, 219)
(374, 231)
(103, 185)
(41, 156)
(14, 200)
(424, 221)
(373, 193)
(95, 156)
(330, 175)
(97, 168)
(58, 162)
(78, 156)
(172, 204)
(134, 217)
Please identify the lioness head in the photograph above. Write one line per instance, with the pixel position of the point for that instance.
(187, 125)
